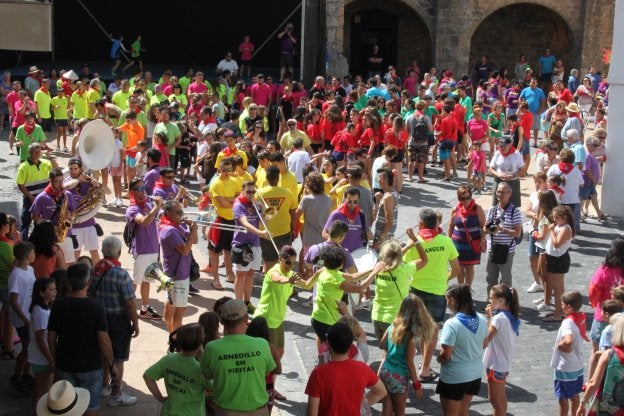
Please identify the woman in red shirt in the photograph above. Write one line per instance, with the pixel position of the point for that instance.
(397, 137)
(312, 124)
(332, 123)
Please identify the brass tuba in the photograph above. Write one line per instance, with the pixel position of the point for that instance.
(96, 145)
(63, 224)
(89, 205)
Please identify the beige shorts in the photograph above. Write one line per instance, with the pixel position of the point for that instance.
(179, 293)
(139, 264)
(68, 249)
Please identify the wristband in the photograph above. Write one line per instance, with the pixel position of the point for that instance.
(417, 385)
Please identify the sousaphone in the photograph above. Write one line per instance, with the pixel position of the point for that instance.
(96, 145)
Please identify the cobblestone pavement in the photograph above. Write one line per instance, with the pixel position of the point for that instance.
(529, 387)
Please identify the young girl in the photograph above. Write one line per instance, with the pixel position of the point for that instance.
(531, 211)
(141, 158)
(477, 165)
(39, 356)
(500, 343)
(411, 325)
(397, 136)
(188, 396)
(547, 201)
(115, 169)
(258, 328)
(556, 183)
(160, 143)
(210, 324)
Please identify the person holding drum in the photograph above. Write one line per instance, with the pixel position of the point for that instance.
(393, 282)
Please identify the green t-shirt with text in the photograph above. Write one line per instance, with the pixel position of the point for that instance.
(328, 292)
(433, 278)
(391, 288)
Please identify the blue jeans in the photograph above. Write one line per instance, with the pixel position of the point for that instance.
(25, 218)
(576, 209)
(91, 381)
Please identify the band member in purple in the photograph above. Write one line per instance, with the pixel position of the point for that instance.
(141, 216)
(153, 170)
(48, 206)
(246, 215)
(79, 186)
(166, 188)
(350, 213)
(177, 237)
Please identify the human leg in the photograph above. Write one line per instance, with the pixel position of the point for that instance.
(505, 270)
(468, 274)
(556, 280)
(497, 396)
(491, 275)
(44, 378)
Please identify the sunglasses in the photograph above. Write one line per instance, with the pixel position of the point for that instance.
(351, 202)
(139, 189)
(226, 170)
(250, 192)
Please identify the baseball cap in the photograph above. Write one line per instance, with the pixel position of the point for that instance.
(233, 310)
(505, 140)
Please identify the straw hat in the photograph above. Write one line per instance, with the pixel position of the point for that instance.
(573, 108)
(70, 75)
(63, 400)
(33, 69)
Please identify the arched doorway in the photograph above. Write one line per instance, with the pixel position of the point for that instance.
(399, 31)
(523, 28)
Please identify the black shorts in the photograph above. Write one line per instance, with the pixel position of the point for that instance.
(316, 147)
(61, 123)
(286, 60)
(458, 391)
(546, 77)
(23, 333)
(245, 62)
(399, 157)
(268, 251)
(136, 59)
(120, 333)
(221, 239)
(320, 329)
(46, 124)
(558, 265)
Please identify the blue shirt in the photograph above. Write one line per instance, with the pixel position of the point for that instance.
(376, 92)
(395, 357)
(579, 152)
(573, 84)
(534, 97)
(112, 290)
(465, 364)
(547, 63)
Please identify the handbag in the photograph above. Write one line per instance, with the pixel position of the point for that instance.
(474, 244)
(242, 254)
(499, 253)
(194, 271)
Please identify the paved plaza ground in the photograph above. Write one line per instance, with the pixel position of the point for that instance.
(529, 388)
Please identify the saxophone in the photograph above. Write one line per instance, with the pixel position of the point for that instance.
(63, 224)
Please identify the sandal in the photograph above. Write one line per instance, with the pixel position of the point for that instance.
(279, 396)
(430, 378)
(549, 318)
(603, 217)
(217, 286)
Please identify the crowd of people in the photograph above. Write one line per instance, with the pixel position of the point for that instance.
(326, 164)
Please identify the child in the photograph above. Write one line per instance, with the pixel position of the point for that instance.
(160, 143)
(210, 323)
(611, 311)
(547, 201)
(500, 343)
(115, 169)
(412, 324)
(556, 184)
(477, 164)
(246, 49)
(60, 104)
(13, 233)
(258, 328)
(21, 281)
(141, 159)
(568, 358)
(182, 371)
(39, 356)
(183, 153)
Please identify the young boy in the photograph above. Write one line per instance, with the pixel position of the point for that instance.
(60, 105)
(477, 165)
(568, 358)
(21, 282)
(115, 169)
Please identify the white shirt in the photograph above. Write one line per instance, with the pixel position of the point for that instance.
(501, 348)
(573, 182)
(507, 165)
(206, 128)
(568, 361)
(224, 65)
(116, 160)
(297, 160)
(560, 251)
(39, 321)
(21, 282)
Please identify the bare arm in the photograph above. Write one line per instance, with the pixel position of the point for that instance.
(313, 406)
(454, 269)
(146, 220)
(132, 314)
(446, 353)
(152, 386)
(376, 393)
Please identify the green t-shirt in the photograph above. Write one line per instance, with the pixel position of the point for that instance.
(171, 131)
(239, 365)
(141, 118)
(181, 100)
(184, 83)
(328, 291)
(273, 299)
(120, 99)
(92, 96)
(391, 288)
(430, 112)
(136, 49)
(42, 99)
(6, 263)
(60, 113)
(361, 102)
(466, 102)
(36, 136)
(433, 278)
(157, 99)
(497, 124)
(80, 105)
(184, 383)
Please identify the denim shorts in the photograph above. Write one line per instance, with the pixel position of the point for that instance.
(586, 192)
(534, 250)
(120, 332)
(91, 381)
(436, 304)
(596, 330)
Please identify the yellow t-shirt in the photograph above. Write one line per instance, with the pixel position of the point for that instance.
(261, 181)
(227, 188)
(60, 113)
(240, 179)
(288, 180)
(80, 105)
(92, 96)
(286, 142)
(43, 100)
(120, 99)
(283, 201)
(238, 152)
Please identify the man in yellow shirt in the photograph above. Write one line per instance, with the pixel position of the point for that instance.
(223, 191)
(42, 99)
(230, 150)
(121, 97)
(282, 225)
(287, 139)
(287, 179)
(92, 96)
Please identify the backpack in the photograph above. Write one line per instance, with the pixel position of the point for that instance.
(420, 132)
(128, 235)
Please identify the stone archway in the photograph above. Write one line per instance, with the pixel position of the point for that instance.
(524, 28)
(398, 29)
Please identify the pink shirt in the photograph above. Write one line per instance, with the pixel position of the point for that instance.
(196, 88)
(12, 98)
(19, 119)
(261, 94)
(246, 55)
(604, 279)
(478, 161)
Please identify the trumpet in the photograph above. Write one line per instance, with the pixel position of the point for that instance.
(269, 211)
(192, 196)
(220, 226)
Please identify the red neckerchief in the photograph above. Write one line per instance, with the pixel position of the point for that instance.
(579, 319)
(345, 211)
(619, 351)
(159, 184)
(565, 167)
(243, 200)
(228, 152)
(465, 211)
(164, 221)
(44, 89)
(557, 189)
(204, 201)
(133, 201)
(48, 190)
(104, 265)
(6, 239)
(428, 234)
(512, 150)
(29, 128)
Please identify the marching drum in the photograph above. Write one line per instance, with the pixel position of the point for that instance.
(365, 259)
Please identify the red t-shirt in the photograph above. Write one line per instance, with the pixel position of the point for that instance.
(398, 142)
(314, 133)
(330, 128)
(196, 88)
(565, 95)
(367, 137)
(526, 121)
(448, 128)
(261, 93)
(460, 113)
(340, 386)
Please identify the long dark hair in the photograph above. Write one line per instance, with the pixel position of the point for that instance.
(462, 295)
(511, 298)
(43, 238)
(258, 328)
(615, 255)
(41, 285)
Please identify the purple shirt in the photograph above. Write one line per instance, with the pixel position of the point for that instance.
(353, 240)
(175, 265)
(168, 193)
(242, 210)
(150, 178)
(315, 251)
(592, 165)
(80, 191)
(510, 96)
(145, 239)
(46, 207)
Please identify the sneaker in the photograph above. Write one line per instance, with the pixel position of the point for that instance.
(149, 313)
(193, 289)
(250, 308)
(538, 301)
(20, 386)
(308, 303)
(106, 391)
(65, 149)
(542, 307)
(122, 400)
(535, 287)
(118, 203)
(365, 304)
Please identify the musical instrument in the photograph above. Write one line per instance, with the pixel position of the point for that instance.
(365, 259)
(89, 205)
(96, 145)
(269, 211)
(154, 273)
(193, 196)
(264, 225)
(63, 224)
(209, 218)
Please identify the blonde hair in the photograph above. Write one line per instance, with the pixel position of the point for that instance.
(352, 323)
(413, 321)
(390, 253)
(617, 337)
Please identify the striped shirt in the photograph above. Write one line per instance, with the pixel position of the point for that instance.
(510, 216)
(34, 176)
